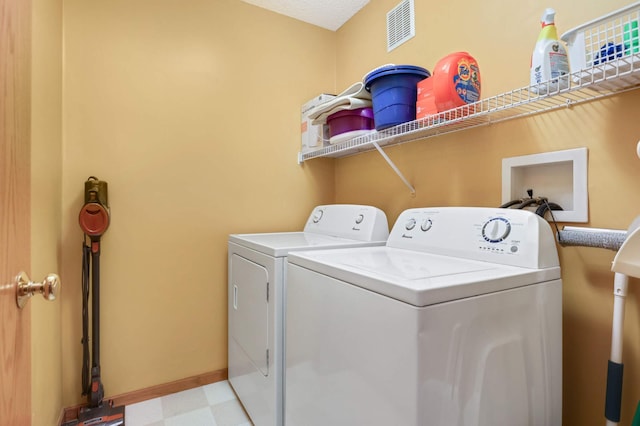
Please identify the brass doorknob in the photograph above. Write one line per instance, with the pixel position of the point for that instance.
(25, 288)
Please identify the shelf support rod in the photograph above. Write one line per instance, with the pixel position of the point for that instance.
(395, 169)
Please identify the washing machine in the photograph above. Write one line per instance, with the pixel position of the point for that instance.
(456, 321)
(257, 285)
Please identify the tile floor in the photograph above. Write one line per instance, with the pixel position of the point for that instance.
(210, 405)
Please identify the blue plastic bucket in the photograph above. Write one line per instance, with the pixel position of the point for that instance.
(394, 93)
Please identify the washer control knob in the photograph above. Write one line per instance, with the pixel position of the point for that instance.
(359, 218)
(426, 225)
(496, 229)
(317, 215)
(411, 223)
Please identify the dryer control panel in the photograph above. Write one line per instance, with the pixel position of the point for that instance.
(505, 236)
(362, 223)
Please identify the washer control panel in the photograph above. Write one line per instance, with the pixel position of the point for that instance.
(363, 223)
(513, 237)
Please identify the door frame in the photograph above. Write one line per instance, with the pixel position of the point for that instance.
(15, 208)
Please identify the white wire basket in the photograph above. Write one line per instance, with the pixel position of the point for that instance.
(606, 46)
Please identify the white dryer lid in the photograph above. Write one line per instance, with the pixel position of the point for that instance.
(417, 278)
(279, 244)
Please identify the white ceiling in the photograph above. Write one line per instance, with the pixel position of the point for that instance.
(329, 14)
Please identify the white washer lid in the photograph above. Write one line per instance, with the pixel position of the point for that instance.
(417, 278)
(279, 244)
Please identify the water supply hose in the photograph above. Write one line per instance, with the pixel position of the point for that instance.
(512, 203)
(543, 209)
(543, 204)
(530, 201)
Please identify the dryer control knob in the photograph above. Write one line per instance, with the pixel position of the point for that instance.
(426, 225)
(317, 215)
(359, 218)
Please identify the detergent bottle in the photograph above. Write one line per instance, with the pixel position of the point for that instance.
(549, 59)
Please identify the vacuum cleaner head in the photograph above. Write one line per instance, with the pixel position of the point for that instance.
(104, 415)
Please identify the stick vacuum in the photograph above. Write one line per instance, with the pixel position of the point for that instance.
(94, 221)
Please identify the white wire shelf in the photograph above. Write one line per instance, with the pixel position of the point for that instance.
(615, 76)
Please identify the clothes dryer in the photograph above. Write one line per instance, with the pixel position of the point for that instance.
(456, 321)
(257, 286)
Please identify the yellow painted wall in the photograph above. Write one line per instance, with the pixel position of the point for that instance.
(464, 168)
(190, 111)
(46, 219)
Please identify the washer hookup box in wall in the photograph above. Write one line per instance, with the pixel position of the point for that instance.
(313, 136)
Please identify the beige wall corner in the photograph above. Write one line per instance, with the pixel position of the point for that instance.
(46, 222)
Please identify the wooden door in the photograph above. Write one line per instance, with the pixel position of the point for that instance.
(15, 122)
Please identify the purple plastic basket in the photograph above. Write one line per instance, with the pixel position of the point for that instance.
(350, 120)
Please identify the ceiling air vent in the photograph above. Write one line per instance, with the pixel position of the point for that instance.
(401, 24)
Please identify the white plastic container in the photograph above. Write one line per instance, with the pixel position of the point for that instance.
(549, 60)
(313, 136)
(607, 47)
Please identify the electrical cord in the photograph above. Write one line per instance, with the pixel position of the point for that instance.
(553, 219)
(86, 265)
